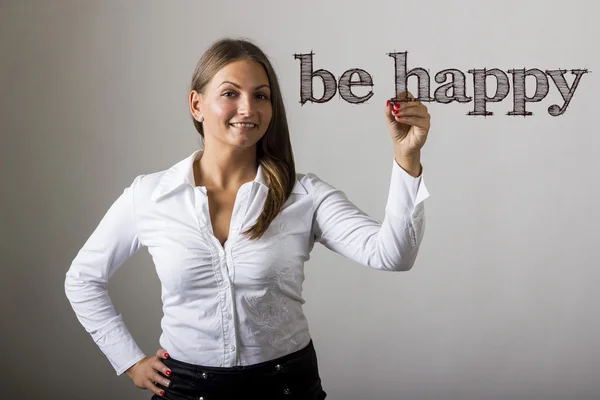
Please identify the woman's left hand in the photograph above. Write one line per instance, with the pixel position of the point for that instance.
(408, 123)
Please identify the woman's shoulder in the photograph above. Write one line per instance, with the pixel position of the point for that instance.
(313, 183)
(146, 185)
(148, 181)
(154, 186)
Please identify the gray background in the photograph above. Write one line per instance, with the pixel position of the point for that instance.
(501, 303)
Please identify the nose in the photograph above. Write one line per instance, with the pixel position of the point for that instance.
(246, 106)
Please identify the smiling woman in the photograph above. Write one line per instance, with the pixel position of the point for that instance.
(229, 229)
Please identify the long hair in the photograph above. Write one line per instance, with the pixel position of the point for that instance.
(273, 150)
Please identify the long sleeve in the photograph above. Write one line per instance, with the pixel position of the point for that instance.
(390, 245)
(110, 245)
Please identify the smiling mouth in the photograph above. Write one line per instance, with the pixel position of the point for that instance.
(243, 125)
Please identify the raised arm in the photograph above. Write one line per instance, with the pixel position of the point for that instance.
(393, 244)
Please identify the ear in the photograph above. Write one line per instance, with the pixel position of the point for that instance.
(195, 103)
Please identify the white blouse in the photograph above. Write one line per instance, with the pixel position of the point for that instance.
(241, 303)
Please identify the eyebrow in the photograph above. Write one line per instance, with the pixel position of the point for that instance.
(239, 87)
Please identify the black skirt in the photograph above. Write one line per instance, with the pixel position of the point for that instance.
(294, 376)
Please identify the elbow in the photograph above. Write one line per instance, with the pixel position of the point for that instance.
(81, 287)
(406, 266)
(408, 257)
(405, 255)
(409, 260)
(76, 286)
(403, 266)
(70, 286)
(403, 263)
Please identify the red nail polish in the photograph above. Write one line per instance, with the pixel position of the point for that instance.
(162, 392)
(168, 373)
(397, 106)
(387, 103)
(395, 111)
(166, 355)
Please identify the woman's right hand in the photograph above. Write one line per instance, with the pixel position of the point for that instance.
(146, 373)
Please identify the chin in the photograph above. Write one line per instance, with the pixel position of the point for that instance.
(246, 138)
(243, 142)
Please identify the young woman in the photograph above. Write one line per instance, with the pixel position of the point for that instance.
(229, 229)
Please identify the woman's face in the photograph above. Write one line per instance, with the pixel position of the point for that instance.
(236, 104)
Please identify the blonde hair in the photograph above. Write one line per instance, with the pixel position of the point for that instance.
(273, 150)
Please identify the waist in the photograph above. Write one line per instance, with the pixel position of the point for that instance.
(307, 353)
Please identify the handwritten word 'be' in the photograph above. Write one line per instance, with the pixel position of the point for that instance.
(441, 95)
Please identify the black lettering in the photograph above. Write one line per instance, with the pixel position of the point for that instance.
(519, 95)
(563, 87)
(457, 85)
(345, 85)
(306, 80)
(402, 76)
(480, 94)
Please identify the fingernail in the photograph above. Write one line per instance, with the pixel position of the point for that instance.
(395, 111)
(168, 372)
(167, 383)
(166, 355)
(397, 105)
(387, 103)
(162, 392)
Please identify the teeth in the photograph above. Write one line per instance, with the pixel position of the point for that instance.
(244, 125)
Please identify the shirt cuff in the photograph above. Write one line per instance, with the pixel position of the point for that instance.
(118, 346)
(406, 192)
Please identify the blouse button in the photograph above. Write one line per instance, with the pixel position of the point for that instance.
(287, 391)
(278, 367)
(204, 375)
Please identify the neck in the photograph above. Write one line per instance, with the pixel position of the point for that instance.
(225, 169)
